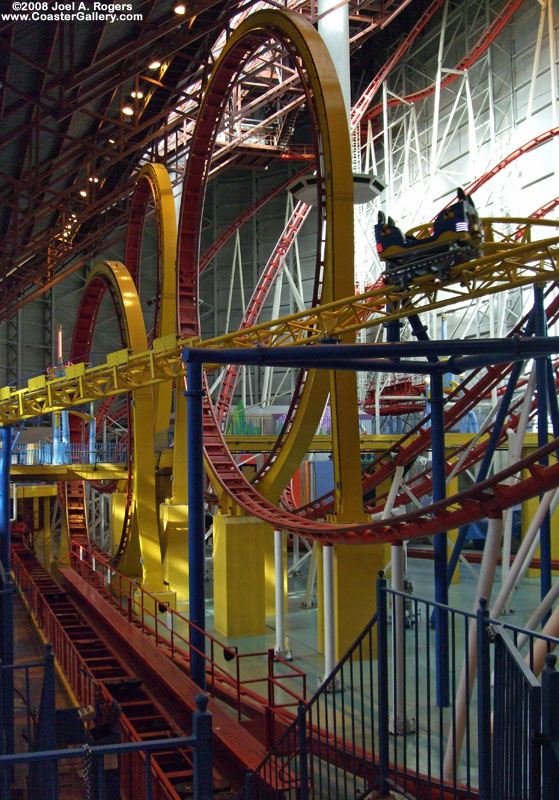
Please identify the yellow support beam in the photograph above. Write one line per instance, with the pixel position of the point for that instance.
(508, 269)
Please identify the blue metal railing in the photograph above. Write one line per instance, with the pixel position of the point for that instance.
(517, 696)
(91, 759)
(376, 725)
(75, 453)
(329, 751)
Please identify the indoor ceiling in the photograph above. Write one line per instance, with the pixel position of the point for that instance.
(69, 149)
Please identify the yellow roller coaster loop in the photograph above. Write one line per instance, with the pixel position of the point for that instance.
(325, 103)
(153, 182)
(142, 552)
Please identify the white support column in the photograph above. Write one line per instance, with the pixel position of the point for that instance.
(437, 101)
(333, 26)
(398, 723)
(522, 559)
(328, 603)
(540, 612)
(311, 577)
(468, 674)
(281, 649)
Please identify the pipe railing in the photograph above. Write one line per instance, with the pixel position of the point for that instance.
(172, 632)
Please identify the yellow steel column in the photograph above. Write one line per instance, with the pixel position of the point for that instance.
(173, 513)
(46, 536)
(452, 488)
(270, 573)
(239, 575)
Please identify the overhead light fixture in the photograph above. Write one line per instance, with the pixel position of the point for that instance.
(180, 8)
(94, 179)
(111, 141)
(83, 193)
(127, 110)
(138, 95)
(155, 64)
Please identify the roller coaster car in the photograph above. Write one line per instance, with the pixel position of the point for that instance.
(455, 239)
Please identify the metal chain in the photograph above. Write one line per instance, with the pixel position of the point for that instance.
(88, 771)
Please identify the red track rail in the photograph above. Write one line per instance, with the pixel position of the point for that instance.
(92, 665)
(231, 229)
(408, 448)
(485, 41)
(360, 108)
(72, 499)
(489, 498)
(256, 302)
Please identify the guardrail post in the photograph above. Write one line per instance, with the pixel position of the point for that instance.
(302, 743)
(484, 701)
(202, 730)
(6, 594)
(550, 728)
(249, 785)
(196, 533)
(382, 655)
(45, 775)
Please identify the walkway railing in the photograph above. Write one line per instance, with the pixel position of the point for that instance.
(283, 685)
(136, 773)
(331, 750)
(374, 725)
(41, 453)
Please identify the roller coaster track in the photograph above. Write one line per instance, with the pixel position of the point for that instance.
(406, 449)
(509, 265)
(256, 302)
(360, 108)
(475, 52)
(99, 665)
(72, 500)
(128, 370)
(411, 445)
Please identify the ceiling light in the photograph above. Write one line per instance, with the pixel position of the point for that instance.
(111, 141)
(137, 94)
(94, 179)
(180, 8)
(128, 110)
(155, 64)
(83, 193)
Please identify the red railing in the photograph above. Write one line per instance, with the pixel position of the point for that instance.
(172, 632)
(72, 664)
(87, 689)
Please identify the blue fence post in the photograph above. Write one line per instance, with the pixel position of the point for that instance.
(202, 731)
(6, 596)
(45, 775)
(484, 702)
(302, 742)
(382, 655)
(196, 533)
(440, 540)
(543, 438)
(550, 728)
(249, 785)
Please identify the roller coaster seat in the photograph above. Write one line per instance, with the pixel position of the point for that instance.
(455, 239)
